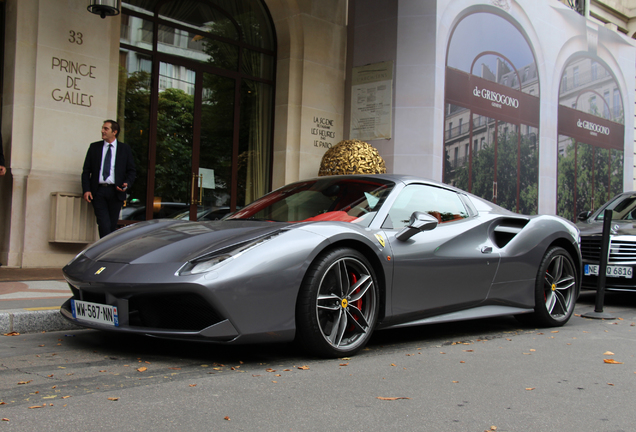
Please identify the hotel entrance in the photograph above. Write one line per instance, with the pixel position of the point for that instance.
(195, 104)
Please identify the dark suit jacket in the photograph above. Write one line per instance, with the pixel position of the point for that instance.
(124, 168)
(1, 153)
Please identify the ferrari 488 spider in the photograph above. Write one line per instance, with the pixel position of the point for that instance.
(326, 262)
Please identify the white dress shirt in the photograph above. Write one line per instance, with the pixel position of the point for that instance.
(113, 151)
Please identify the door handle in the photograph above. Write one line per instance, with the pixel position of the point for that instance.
(486, 249)
(193, 200)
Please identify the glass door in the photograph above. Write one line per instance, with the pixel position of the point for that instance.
(174, 141)
(194, 145)
(214, 162)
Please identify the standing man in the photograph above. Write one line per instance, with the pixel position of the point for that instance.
(109, 170)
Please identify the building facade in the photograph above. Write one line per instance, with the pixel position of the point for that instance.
(525, 103)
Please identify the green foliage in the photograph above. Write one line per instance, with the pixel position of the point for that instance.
(595, 174)
(507, 173)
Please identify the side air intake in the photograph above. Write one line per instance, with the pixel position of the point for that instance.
(506, 230)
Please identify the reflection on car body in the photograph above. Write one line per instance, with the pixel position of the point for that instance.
(326, 262)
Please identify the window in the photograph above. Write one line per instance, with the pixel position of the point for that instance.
(617, 103)
(606, 101)
(575, 77)
(443, 204)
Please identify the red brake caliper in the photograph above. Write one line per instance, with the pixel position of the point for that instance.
(358, 303)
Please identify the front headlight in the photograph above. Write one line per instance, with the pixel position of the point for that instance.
(219, 258)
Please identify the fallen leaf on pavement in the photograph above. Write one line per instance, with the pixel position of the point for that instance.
(270, 370)
(175, 368)
(24, 382)
(610, 384)
(36, 406)
(12, 334)
(608, 353)
(530, 388)
(611, 361)
(5, 419)
(193, 385)
(391, 398)
(344, 364)
(303, 367)
(113, 399)
(142, 369)
(226, 418)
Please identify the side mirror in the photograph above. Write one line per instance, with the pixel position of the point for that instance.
(583, 216)
(419, 222)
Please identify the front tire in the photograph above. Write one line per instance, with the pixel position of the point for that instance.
(338, 304)
(556, 290)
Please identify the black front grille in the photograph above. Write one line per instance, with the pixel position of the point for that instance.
(591, 248)
(621, 250)
(182, 311)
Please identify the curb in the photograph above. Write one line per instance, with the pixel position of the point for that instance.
(33, 321)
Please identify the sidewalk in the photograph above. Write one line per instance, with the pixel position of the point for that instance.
(30, 300)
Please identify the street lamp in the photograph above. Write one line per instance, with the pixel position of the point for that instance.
(104, 8)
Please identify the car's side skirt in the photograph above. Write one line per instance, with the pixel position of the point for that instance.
(474, 313)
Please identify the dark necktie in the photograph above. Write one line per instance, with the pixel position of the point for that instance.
(106, 167)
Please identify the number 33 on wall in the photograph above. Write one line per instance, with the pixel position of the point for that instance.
(75, 37)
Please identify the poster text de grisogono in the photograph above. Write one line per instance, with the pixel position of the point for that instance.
(77, 75)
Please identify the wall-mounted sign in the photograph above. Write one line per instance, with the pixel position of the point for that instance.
(372, 101)
(72, 91)
(491, 99)
(591, 129)
(323, 132)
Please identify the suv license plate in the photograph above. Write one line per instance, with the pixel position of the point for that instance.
(612, 271)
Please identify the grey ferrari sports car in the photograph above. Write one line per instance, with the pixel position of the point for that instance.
(326, 262)
(622, 256)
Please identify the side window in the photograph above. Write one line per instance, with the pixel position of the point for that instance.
(443, 204)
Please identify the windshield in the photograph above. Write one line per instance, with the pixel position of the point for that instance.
(623, 208)
(328, 199)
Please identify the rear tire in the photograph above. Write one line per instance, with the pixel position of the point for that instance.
(338, 303)
(556, 290)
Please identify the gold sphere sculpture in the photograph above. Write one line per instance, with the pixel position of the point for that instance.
(351, 157)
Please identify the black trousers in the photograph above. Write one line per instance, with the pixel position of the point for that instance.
(107, 207)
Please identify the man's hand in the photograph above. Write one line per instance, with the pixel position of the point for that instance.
(88, 197)
(3, 170)
(123, 188)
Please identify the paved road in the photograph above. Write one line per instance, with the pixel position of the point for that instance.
(469, 376)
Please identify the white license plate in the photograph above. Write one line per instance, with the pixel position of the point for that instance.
(612, 271)
(94, 312)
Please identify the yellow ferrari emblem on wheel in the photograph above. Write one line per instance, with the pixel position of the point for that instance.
(553, 287)
(344, 303)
